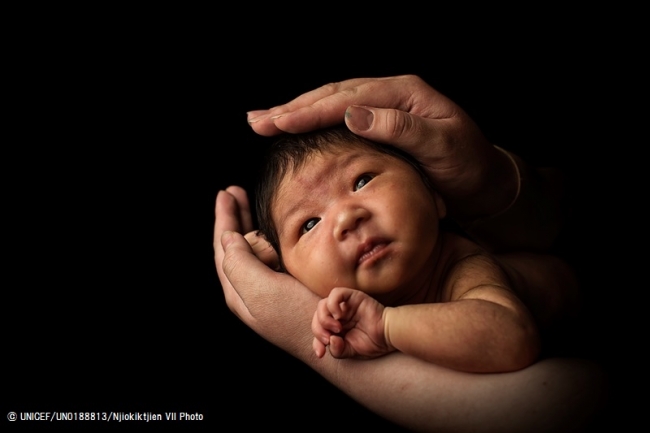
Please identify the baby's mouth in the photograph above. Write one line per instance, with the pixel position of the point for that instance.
(370, 249)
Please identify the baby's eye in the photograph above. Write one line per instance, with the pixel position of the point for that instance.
(362, 181)
(308, 225)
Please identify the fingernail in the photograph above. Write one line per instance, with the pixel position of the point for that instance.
(256, 115)
(277, 116)
(253, 240)
(359, 118)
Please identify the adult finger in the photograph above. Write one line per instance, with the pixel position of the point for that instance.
(451, 149)
(395, 127)
(315, 109)
(245, 215)
(326, 105)
(227, 219)
(229, 216)
(306, 99)
(263, 121)
(322, 92)
(329, 108)
(263, 249)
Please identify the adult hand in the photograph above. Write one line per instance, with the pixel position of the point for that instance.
(474, 178)
(273, 304)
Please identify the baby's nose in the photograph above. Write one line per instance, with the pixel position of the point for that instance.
(348, 220)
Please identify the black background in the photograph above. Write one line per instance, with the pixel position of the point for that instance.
(121, 140)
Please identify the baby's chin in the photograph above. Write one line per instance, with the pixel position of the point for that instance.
(382, 293)
(398, 294)
(373, 289)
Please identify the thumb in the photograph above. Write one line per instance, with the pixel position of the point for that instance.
(339, 348)
(249, 277)
(230, 239)
(227, 264)
(273, 304)
(407, 131)
(239, 260)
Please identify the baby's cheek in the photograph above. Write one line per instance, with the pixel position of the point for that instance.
(320, 279)
(324, 276)
(318, 268)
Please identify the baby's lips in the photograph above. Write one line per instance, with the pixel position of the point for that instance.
(369, 248)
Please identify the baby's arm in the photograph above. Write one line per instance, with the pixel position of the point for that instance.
(481, 327)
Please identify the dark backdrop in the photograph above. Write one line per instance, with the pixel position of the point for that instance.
(113, 301)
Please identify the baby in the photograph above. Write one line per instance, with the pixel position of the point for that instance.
(358, 223)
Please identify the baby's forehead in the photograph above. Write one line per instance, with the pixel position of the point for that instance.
(342, 155)
(319, 171)
(324, 169)
(326, 165)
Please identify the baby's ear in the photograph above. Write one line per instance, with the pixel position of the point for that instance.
(440, 205)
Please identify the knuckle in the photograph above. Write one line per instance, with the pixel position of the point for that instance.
(332, 87)
(231, 263)
(351, 92)
(403, 125)
(412, 78)
(337, 293)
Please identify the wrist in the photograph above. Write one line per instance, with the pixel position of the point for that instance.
(386, 319)
(501, 187)
(529, 217)
(516, 180)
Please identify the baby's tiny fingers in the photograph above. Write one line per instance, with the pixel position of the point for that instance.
(319, 348)
(332, 325)
(321, 332)
(339, 349)
(336, 302)
(325, 318)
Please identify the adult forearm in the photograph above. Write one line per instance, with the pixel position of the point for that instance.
(551, 395)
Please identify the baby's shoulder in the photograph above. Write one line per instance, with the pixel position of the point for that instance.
(470, 266)
(462, 252)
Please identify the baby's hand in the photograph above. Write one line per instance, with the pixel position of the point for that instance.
(351, 323)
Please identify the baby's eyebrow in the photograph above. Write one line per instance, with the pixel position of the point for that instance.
(285, 217)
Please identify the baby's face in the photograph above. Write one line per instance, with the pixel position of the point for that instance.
(359, 219)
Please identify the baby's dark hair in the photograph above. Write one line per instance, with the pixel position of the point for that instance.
(291, 151)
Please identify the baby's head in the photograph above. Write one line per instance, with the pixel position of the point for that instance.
(341, 210)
